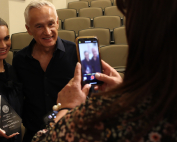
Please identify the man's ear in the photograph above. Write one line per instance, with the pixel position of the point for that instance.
(28, 29)
(58, 24)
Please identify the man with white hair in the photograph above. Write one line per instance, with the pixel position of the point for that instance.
(95, 61)
(44, 67)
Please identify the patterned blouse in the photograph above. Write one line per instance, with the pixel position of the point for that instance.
(71, 128)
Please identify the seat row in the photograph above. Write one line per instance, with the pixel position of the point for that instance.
(103, 35)
(114, 55)
(80, 23)
(91, 3)
(113, 2)
(90, 12)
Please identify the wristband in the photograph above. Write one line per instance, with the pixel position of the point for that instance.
(58, 107)
(64, 108)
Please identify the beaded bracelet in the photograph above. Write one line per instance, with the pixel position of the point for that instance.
(58, 107)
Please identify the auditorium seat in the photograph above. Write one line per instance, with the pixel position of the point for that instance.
(9, 57)
(90, 12)
(113, 11)
(119, 35)
(78, 5)
(60, 24)
(101, 3)
(20, 40)
(109, 0)
(77, 23)
(114, 2)
(66, 13)
(67, 35)
(88, 1)
(115, 55)
(110, 22)
(103, 34)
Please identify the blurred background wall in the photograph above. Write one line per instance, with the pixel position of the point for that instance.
(12, 12)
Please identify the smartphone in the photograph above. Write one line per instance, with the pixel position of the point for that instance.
(88, 54)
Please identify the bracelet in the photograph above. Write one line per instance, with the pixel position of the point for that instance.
(58, 107)
(64, 108)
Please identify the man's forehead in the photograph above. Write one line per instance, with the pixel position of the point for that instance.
(41, 15)
(40, 7)
(43, 10)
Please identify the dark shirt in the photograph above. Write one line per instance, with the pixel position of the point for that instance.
(96, 64)
(86, 65)
(41, 88)
(11, 91)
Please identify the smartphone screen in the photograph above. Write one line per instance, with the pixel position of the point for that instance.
(88, 50)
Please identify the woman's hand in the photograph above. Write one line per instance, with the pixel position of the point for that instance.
(110, 77)
(73, 94)
(3, 134)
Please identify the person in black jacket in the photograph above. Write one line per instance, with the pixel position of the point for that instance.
(44, 67)
(10, 89)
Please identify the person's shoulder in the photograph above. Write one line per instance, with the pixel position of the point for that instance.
(19, 57)
(7, 65)
(22, 52)
(68, 43)
(83, 61)
(70, 47)
(10, 71)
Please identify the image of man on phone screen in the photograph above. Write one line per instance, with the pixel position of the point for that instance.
(86, 64)
(95, 61)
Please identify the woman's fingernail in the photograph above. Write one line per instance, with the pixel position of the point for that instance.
(97, 75)
(77, 63)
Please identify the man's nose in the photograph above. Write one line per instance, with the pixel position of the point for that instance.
(47, 31)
